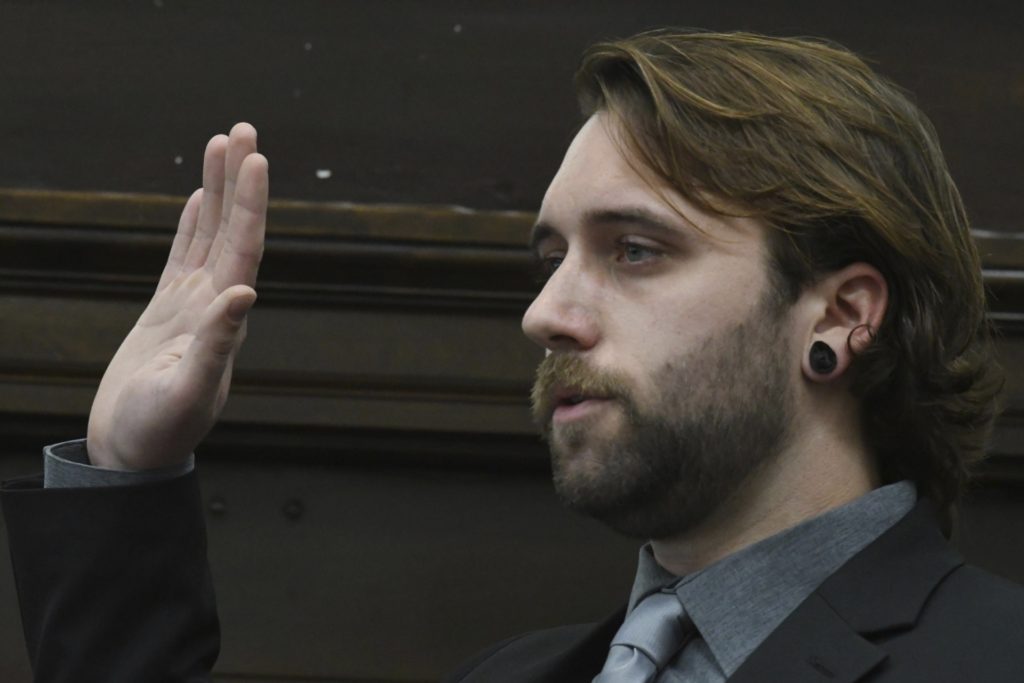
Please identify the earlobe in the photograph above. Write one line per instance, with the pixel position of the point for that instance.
(827, 361)
(851, 304)
(822, 359)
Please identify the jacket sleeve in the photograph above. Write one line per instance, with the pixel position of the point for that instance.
(113, 582)
(67, 465)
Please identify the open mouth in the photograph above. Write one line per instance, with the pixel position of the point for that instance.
(571, 405)
(571, 397)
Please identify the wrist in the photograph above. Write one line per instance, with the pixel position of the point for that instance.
(100, 457)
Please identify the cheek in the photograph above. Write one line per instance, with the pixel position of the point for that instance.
(649, 346)
(658, 325)
(684, 324)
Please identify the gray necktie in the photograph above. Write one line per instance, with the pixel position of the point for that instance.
(653, 633)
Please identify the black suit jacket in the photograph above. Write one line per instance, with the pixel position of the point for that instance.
(113, 586)
(904, 609)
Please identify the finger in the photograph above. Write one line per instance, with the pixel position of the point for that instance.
(241, 143)
(225, 380)
(240, 257)
(182, 239)
(216, 342)
(209, 209)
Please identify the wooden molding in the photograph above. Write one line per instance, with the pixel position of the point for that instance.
(364, 311)
(287, 218)
(323, 254)
(317, 254)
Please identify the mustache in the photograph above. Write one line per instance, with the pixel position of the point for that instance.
(559, 371)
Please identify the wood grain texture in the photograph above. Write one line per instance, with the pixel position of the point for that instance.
(370, 317)
(446, 102)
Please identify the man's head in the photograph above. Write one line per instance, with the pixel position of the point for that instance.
(731, 200)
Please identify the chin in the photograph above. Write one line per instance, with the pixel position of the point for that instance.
(590, 481)
(633, 515)
(636, 495)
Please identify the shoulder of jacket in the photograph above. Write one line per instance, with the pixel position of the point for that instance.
(978, 604)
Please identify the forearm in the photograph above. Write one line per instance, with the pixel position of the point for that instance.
(110, 561)
(113, 581)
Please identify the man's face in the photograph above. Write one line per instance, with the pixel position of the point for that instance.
(668, 379)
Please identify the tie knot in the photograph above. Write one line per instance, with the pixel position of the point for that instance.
(657, 626)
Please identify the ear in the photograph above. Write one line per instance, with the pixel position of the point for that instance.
(846, 309)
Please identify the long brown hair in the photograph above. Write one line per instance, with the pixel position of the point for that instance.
(803, 135)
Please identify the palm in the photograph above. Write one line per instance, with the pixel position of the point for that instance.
(169, 380)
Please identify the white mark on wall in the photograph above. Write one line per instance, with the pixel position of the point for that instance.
(178, 160)
(457, 28)
(323, 173)
(308, 46)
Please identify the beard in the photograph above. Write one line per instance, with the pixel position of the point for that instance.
(720, 414)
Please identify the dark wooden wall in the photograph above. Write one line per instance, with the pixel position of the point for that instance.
(378, 505)
(436, 102)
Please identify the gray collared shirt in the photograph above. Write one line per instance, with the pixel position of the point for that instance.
(738, 601)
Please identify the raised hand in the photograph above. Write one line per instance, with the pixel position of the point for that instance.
(167, 384)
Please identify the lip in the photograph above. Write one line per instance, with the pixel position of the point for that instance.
(570, 412)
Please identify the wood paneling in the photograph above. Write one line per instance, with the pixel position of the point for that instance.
(441, 102)
(369, 317)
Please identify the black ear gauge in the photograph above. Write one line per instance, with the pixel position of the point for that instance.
(823, 358)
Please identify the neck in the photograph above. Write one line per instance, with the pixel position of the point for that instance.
(822, 470)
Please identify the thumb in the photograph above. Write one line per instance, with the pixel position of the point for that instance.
(242, 300)
(217, 338)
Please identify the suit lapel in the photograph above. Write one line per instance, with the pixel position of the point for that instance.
(886, 585)
(882, 588)
(812, 645)
(570, 654)
(585, 657)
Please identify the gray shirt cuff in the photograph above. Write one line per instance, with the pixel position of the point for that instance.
(66, 465)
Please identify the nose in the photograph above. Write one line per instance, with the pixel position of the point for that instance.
(562, 317)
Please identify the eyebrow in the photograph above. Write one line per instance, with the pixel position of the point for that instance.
(634, 215)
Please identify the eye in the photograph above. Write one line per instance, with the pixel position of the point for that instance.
(550, 264)
(547, 265)
(634, 252)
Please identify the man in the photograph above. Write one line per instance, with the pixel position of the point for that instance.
(767, 353)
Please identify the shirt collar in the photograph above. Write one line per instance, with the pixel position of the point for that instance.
(738, 601)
